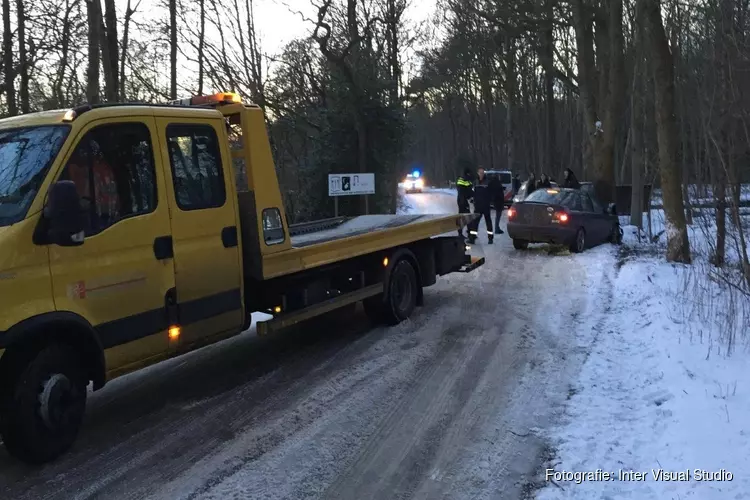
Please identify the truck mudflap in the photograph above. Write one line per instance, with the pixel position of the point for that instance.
(473, 263)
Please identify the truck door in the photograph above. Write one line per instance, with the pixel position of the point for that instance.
(204, 228)
(115, 280)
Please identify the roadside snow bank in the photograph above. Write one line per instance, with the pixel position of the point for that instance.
(650, 398)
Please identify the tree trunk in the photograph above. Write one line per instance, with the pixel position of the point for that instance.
(636, 141)
(586, 81)
(605, 181)
(510, 100)
(201, 45)
(678, 246)
(173, 49)
(23, 63)
(129, 11)
(59, 82)
(394, 67)
(110, 51)
(93, 11)
(549, 89)
(8, 69)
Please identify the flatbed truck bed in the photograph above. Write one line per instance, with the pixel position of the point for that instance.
(180, 237)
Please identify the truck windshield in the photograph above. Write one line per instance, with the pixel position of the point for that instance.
(25, 156)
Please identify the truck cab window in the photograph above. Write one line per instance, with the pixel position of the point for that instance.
(113, 170)
(196, 166)
(273, 228)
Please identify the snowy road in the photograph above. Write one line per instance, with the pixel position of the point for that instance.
(445, 405)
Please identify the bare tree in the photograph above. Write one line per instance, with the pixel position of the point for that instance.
(127, 19)
(173, 49)
(110, 52)
(9, 71)
(93, 10)
(23, 61)
(662, 66)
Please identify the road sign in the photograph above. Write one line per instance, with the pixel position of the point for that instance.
(351, 184)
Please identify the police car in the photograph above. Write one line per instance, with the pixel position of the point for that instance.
(413, 183)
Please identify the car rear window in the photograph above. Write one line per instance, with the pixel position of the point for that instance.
(544, 196)
(565, 198)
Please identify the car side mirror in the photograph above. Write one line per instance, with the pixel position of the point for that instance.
(65, 221)
(612, 209)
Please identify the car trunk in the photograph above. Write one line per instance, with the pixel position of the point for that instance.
(535, 214)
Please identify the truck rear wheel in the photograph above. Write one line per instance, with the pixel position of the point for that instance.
(399, 299)
(401, 296)
(44, 406)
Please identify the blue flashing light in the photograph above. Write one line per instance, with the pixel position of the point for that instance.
(416, 173)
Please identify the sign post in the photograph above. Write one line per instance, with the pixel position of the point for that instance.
(350, 185)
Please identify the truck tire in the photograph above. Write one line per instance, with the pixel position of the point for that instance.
(401, 296)
(44, 408)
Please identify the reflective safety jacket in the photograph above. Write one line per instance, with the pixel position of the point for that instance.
(465, 191)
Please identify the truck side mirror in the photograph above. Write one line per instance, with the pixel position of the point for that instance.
(63, 213)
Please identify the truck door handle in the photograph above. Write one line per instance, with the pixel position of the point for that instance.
(163, 248)
(229, 236)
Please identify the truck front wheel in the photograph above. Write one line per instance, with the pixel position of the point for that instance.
(44, 406)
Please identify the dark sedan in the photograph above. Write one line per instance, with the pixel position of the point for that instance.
(562, 216)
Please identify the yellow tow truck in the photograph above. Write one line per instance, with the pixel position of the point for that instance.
(132, 233)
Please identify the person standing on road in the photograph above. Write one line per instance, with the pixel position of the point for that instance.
(570, 179)
(544, 181)
(516, 184)
(482, 199)
(465, 194)
(531, 184)
(498, 199)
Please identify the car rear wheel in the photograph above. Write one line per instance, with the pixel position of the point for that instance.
(520, 244)
(579, 243)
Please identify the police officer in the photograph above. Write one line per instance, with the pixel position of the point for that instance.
(465, 193)
(482, 199)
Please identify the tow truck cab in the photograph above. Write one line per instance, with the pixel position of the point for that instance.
(133, 233)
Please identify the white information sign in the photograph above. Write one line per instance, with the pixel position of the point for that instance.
(351, 184)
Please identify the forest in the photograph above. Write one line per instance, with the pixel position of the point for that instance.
(623, 92)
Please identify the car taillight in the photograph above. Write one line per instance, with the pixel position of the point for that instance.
(511, 212)
(562, 216)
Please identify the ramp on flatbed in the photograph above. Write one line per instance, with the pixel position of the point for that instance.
(357, 225)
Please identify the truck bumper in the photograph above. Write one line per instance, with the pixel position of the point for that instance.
(474, 262)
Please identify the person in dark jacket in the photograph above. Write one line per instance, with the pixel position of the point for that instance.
(516, 184)
(570, 179)
(465, 194)
(544, 181)
(531, 184)
(482, 199)
(498, 200)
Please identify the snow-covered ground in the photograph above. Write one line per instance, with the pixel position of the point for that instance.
(444, 405)
(465, 400)
(658, 411)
